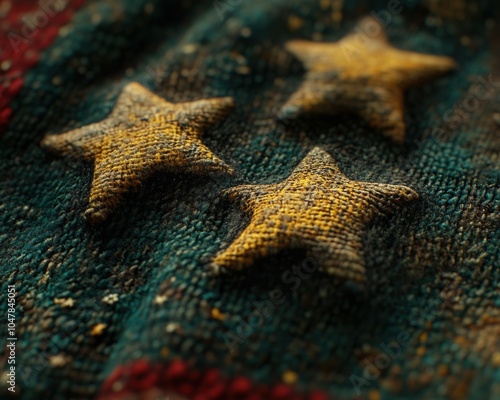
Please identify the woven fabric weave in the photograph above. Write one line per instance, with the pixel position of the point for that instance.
(130, 308)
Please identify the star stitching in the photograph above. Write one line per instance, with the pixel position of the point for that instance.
(361, 74)
(143, 134)
(317, 209)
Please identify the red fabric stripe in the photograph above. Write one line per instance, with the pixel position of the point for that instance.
(27, 27)
(178, 381)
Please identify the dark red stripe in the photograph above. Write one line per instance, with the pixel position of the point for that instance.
(27, 27)
(179, 380)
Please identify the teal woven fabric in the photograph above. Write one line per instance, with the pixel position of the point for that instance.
(433, 269)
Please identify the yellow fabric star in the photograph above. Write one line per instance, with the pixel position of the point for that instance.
(361, 74)
(143, 134)
(317, 209)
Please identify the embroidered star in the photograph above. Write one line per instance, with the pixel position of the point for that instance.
(317, 209)
(143, 134)
(361, 74)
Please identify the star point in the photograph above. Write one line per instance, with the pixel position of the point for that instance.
(143, 134)
(361, 74)
(318, 209)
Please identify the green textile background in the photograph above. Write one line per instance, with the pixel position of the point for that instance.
(433, 268)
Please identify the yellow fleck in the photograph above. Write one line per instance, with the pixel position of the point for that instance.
(56, 80)
(496, 359)
(98, 329)
(65, 303)
(189, 48)
(172, 327)
(443, 370)
(246, 32)
(461, 340)
(5, 65)
(58, 361)
(216, 314)
(290, 377)
(160, 299)
(374, 395)
(149, 8)
(421, 351)
(295, 22)
(324, 4)
(165, 351)
(317, 36)
(465, 40)
(337, 17)
(110, 298)
(243, 69)
(117, 386)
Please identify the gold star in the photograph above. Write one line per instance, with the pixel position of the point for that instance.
(317, 209)
(361, 74)
(143, 134)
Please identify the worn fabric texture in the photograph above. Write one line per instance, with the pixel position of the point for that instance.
(318, 209)
(129, 304)
(143, 134)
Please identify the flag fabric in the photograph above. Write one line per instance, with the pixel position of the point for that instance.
(236, 199)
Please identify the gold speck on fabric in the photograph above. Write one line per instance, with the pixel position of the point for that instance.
(65, 303)
(317, 209)
(58, 361)
(361, 74)
(98, 329)
(143, 134)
